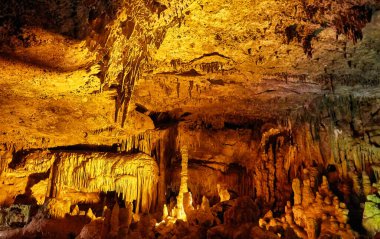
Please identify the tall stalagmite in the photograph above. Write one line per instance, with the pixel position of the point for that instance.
(180, 207)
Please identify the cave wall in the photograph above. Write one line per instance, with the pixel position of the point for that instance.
(259, 161)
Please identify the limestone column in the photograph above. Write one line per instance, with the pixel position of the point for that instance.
(162, 172)
(183, 187)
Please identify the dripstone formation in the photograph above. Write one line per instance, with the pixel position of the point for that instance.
(189, 119)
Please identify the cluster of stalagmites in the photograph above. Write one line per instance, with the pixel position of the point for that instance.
(183, 221)
(75, 178)
(113, 223)
(227, 219)
(313, 213)
(316, 211)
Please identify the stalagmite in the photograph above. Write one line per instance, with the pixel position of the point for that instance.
(75, 211)
(106, 228)
(129, 216)
(209, 113)
(39, 191)
(223, 193)
(324, 188)
(165, 212)
(188, 202)
(180, 210)
(205, 204)
(90, 214)
(114, 220)
(296, 185)
(58, 208)
(307, 193)
(125, 219)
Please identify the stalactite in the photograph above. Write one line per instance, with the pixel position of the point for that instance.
(125, 42)
(144, 142)
(134, 177)
(77, 176)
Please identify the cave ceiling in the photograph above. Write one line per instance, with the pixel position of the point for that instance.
(87, 71)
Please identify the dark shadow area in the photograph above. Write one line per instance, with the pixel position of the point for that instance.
(18, 156)
(190, 73)
(87, 148)
(27, 198)
(163, 120)
(253, 124)
(73, 19)
(140, 108)
(36, 63)
(34, 179)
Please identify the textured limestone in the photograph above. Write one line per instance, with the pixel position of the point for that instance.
(180, 207)
(316, 214)
(259, 61)
(266, 95)
(76, 177)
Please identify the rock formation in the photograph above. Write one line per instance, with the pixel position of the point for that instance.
(79, 178)
(189, 119)
(313, 214)
(223, 193)
(179, 210)
(371, 215)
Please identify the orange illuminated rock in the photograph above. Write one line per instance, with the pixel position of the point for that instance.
(313, 217)
(213, 113)
(78, 178)
(180, 207)
(223, 193)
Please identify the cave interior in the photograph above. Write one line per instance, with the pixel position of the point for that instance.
(192, 119)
